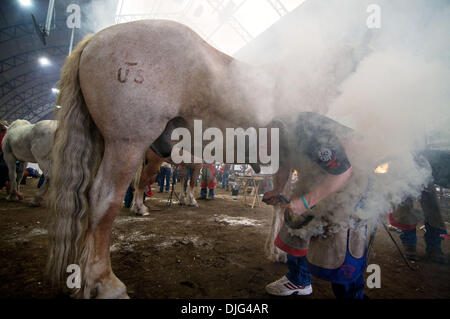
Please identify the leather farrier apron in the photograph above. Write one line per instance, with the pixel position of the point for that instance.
(333, 241)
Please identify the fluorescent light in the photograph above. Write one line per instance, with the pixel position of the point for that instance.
(44, 61)
(25, 3)
(55, 90)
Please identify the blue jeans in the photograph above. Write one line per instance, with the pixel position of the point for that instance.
(299, 274)
(298, 270)
(165, 177)
(129, 197)
(188, 177)
(204, 192)
(225, 179)
(175, 175)
(432, 237)
(41, 181)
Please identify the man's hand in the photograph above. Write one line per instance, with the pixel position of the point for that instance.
(296, 206)
(271, 197)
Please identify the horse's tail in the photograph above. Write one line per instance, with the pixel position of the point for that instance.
(76, 156)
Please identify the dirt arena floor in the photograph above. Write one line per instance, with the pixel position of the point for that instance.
(215, 251)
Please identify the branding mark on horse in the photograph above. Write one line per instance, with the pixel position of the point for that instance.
(138, 76)
(119, 75)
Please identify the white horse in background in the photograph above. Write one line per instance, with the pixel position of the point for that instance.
(26, 142)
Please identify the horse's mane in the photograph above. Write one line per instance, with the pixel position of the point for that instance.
(19, 123)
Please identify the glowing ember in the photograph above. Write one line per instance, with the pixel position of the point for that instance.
(382, 169)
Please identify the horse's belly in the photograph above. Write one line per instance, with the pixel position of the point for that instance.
(23, 153)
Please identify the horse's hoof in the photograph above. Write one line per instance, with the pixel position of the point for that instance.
(143, 214)
(194, 205)
(124, 296)
(33, 204)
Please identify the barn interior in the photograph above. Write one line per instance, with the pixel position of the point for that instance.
(377, 66)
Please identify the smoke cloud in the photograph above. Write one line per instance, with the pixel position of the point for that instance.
(390, 84)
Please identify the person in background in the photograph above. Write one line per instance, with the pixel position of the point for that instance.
(128, 200)
(225, 175)
(165, 173)
(176, 174)
(29, 171)
(41, 181)
(4, 177)
(208, 181)
(403, 216)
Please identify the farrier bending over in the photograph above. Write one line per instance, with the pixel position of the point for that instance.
(318, 220)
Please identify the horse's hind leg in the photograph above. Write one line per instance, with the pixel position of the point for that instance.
(183, 181)
(20, 172)
(40, 192)
(273, 252)
(116, 170)
(148, 176)
(11, 162)
(190, 191)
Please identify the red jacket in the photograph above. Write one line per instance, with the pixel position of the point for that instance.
(1, 138)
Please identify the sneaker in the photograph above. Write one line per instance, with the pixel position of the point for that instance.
(284, 287)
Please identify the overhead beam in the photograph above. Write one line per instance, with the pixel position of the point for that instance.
(43, 112)
(19, 99)
(17, 31)
(26, 57)
(33, 108)
(219, 6)
(21, 80)
(279, 7)
(50, 109)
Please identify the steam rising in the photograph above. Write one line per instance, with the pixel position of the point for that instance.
(392, 85)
